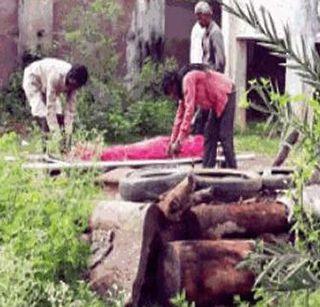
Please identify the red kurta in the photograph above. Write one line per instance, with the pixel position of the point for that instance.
(207, 89)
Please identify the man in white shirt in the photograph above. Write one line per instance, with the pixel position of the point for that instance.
(196, 50)
(48, 83)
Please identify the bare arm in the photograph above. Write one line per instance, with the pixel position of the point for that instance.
(69, 113)
(52, 100)
(189, 91)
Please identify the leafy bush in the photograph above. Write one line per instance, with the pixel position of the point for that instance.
(120, 114)
(13, 105)
(104, 112)
(41, 220)
(289, 273)
(150, 79)
(152, 117)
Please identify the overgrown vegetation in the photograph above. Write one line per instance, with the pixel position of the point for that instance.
(13, 107)
(127, 114)
(289, 274)
(42, 259)
(106, 104)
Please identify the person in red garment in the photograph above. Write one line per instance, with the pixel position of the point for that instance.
(198, 85)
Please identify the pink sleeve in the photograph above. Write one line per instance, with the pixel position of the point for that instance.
(189, 91)
(177, 122)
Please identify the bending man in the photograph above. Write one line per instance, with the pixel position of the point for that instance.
(45, 82)
(212, 49)
(198, 85)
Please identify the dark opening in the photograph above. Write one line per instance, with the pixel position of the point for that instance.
(317, 45)
(261, 64)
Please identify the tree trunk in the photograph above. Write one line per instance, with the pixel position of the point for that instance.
(237, 220)
(206, 270)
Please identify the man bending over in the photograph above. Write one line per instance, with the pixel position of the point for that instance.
(50, 86)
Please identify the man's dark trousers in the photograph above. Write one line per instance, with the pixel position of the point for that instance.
(220, 129)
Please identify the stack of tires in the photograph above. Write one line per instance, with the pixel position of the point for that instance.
(228, 185)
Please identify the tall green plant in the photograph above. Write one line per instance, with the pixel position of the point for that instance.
(285, 272)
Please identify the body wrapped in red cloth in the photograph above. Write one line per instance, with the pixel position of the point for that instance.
(150, 149)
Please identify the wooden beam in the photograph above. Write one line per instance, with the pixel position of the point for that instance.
(101, 165)
(85, 165)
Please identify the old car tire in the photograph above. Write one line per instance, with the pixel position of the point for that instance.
(229, 185)
(278, 178)
(148, 185)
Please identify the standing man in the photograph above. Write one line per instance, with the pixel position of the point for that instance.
(48, 84)
(213, 53)
(212, 42)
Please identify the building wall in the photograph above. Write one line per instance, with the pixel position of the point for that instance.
(179, 22)
(35, 25)
(119, 30)
(9, 33)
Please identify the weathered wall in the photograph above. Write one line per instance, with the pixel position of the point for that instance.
(146, 35)
(179, 22)
(35, 25)
(9, 32)
(62, 9)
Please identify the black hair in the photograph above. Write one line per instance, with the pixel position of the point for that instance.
(79, 73)
(175, 78)
(28, 58)
(170, 78)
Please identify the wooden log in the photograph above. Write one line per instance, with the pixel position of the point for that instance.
(157, 231)
(175, 202)
(203, 222)
(206, 270)
(285, 149)
(237, 220)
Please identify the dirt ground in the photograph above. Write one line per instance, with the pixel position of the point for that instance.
(259, 163)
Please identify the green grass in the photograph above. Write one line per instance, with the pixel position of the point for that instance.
(255, 140)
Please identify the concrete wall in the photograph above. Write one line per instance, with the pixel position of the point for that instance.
(145, 37)
(9, 33)
(35, 25)
(119, 31)
(179, 22)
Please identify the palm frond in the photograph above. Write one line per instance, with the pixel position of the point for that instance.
(305, 60)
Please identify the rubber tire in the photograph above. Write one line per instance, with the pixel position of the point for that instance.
(281, 178)
(148, 185)
(229, 184)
